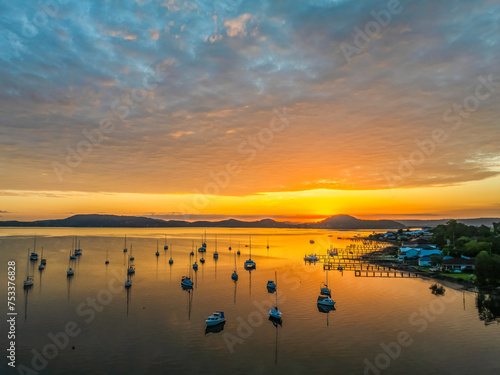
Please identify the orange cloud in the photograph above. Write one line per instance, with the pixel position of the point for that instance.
(237, 26)
(155, 34)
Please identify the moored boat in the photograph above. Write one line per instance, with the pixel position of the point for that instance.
(215, 319)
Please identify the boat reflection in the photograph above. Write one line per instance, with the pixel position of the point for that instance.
(326, 310)
(215, 329)
(129, 291)
(276, 323)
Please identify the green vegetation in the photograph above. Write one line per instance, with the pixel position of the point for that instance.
(488, 269)
(488, 307)
(461, 276)
(458, 239)
(483, 243)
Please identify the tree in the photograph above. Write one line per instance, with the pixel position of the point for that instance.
(439, 235)
(436, 260)
(484, 231)
(487, 268)
(473, 248)
(496, 228)
(483, 265)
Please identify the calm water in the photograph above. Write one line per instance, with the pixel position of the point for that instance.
(156, 327)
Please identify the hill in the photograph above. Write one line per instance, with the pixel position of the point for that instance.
(432, 223)
(115, 221)
(350, 222)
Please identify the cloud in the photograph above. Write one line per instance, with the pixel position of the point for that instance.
(155, 34)
(180, 133)
(225, 67)
(237, 26)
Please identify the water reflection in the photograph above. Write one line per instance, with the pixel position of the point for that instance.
(26, 294)
(235, 284)
(326, 310)
(190, 299)
(40, 272)
(129, 296)
(488, 308)
(276, 323)
(69, 280)
(249, 281)
(437, 290)
(215, 329)
(372, 310)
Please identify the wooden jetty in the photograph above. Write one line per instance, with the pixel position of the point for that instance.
(354, 266)
(366, 273)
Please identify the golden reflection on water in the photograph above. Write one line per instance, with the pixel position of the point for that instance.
(155, 324)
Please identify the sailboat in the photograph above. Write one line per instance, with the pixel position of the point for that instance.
(324, 289)
(271, 285)
(230, 243)
(42, 263)
(131, 268)
(128, 282)
(186, 281)
(170, 261)
(34, 255)
(72, 256)
(29, 279)
(268, 242)
(157, 252)
(78, 251)
(216, 254)
(238, 248)
(125, 247)
(249, 263)
(107, 261)
(234, 276)
(165, 247)
(203, 247)
(70, 271)
(274, 312)
(216, 318)
(195, 264)
(325, 301)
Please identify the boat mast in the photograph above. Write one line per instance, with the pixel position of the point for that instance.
(276, 282)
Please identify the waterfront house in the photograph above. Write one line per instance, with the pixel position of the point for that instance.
(407, 253)
(424, 261)
(428, 252)
(458, 265)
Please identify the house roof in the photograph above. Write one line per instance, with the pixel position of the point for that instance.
(426, 257)
(460, 261)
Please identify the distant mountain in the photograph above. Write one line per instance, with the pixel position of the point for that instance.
(432, 223)
(350, 222)
(114, 221)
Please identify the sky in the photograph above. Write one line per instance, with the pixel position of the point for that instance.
(294, 110)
